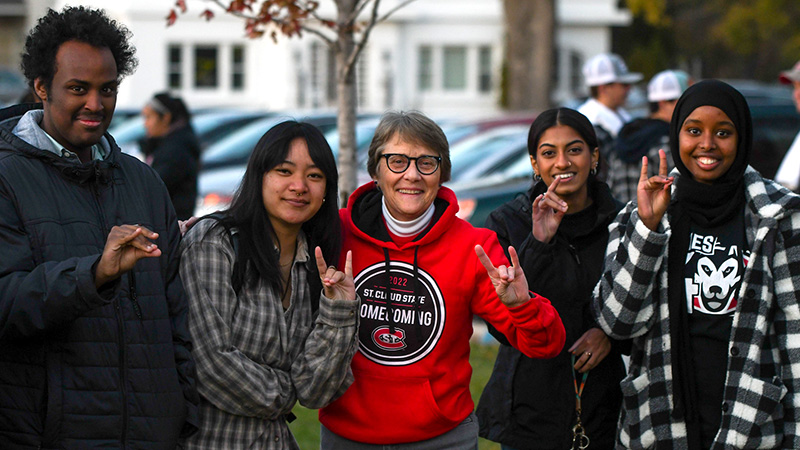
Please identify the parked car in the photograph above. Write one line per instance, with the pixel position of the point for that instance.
(487, 152)
(209, 126)
(235, 149)
(13, 86)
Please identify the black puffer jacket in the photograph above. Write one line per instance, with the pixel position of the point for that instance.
(530, 403)
(176, 158)
(81, 368)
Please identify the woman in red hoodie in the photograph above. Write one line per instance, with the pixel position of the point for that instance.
(421, 273)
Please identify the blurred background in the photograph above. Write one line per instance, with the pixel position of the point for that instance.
(481, 68)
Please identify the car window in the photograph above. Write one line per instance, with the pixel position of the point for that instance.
(237, 146)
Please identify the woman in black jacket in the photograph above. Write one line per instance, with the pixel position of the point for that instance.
(172, 149)
(560, 228)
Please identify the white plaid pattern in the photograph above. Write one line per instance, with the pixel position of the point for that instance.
(761, 404)
(255, 360)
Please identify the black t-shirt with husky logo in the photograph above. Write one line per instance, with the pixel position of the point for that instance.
(715, 263)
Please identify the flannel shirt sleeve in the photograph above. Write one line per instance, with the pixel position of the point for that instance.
(321, 373)
(623, 298)
(787, 326)
(227, 378)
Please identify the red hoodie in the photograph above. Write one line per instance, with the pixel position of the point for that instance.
(412, 370)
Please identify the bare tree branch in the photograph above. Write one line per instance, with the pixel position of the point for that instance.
(359, 8)
(393, 10)
(330, 42)
(359, 47)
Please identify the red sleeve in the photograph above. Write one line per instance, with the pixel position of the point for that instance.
(534, 328)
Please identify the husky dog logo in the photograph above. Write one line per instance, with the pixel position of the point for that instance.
(716, 285)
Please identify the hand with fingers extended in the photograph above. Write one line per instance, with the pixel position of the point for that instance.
(548, 210)
(590, 349)
(509, 282)
(653, 193)
(125, 245)
(336, 284)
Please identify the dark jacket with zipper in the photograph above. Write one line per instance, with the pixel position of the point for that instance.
(530, 403)
(176, 158)
(81, 367)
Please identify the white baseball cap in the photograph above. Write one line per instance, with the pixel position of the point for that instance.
(667, 85)
(788, 76)
(608, 68)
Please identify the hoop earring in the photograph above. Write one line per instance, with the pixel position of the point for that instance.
(593, 170)
(536, 177)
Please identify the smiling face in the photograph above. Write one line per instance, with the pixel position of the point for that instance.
(407, 194)
(80, 102)
(562, 153)
(293, 191)
(707, 141)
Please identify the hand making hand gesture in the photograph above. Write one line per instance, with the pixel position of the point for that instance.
(548, 210)
(509, 282)
(653, 194)
(336, 284)
(125, 245)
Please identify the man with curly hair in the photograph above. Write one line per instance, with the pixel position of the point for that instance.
(95, 347)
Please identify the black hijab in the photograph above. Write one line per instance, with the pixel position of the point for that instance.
(707, 205)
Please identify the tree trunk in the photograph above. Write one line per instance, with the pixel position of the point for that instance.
(530, 37)
(347, 100)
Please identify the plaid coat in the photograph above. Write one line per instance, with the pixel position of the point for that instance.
(761, 403)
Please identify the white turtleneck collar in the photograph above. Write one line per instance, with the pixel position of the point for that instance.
(410, 228)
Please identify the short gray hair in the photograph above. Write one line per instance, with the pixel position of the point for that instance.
(413, 127)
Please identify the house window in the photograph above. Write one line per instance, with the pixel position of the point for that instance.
(206, 67)
(455, 69)
(425, 69)
(174, 66)
(237, 67)
(484, 69)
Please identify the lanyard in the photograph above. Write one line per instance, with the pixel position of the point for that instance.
(579, 436)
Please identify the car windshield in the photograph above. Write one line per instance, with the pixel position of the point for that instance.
(471, 151)
(239, 145)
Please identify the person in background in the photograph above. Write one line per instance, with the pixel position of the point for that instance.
(789, 171)
(95, 347)
(172, 149)
(645, 136)
(420, 284)
(702, 273)
(609, 83)
(560, 230)
(273, 324)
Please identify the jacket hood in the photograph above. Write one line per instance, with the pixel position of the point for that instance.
(638, 137)
(365, 215)
(80, 173)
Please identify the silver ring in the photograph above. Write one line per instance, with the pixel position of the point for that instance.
(589, 353)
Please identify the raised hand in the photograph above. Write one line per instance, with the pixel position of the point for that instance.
(653, 194)
(509, 282)
(548, 210)
(184, 225)
(590, 349)
(336, 284)
(125, 245)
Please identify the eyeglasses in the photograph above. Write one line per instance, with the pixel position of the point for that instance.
(398, 163)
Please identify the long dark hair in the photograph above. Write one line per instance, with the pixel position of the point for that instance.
(175, 106)
(256, 257)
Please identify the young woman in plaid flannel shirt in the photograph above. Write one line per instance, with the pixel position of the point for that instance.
(703, 272)
(259, 345)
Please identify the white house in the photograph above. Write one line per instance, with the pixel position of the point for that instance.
(439, 56)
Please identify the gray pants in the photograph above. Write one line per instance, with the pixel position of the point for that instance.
(462, 437)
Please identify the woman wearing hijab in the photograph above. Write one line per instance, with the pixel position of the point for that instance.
(703, 273)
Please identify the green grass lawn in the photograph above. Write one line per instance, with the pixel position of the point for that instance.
(306, 427)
